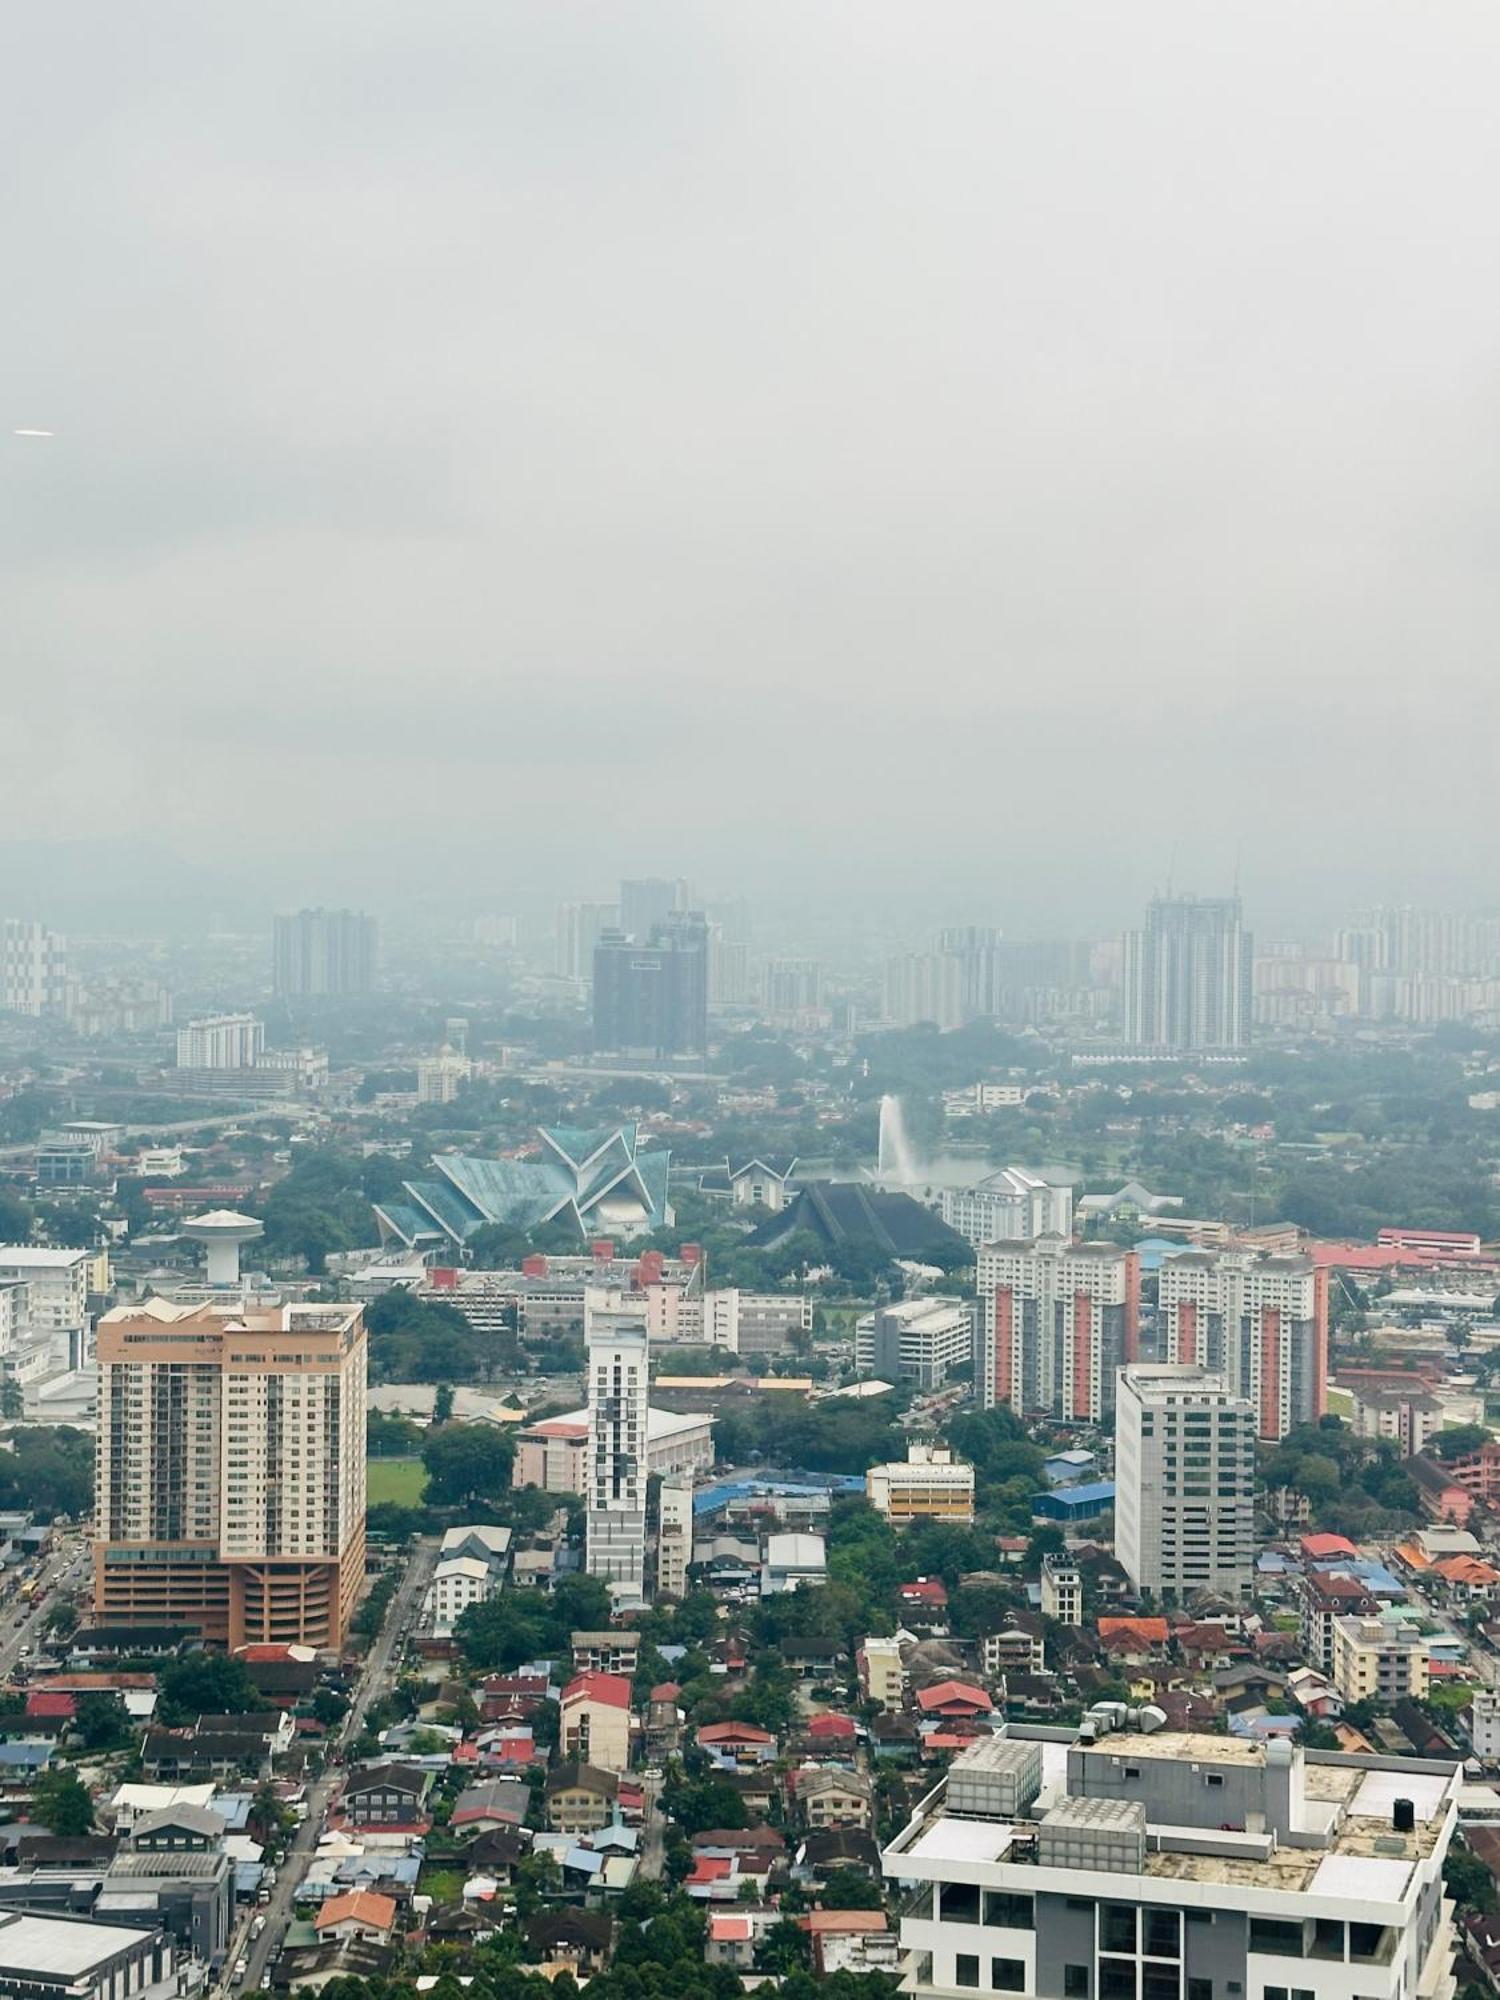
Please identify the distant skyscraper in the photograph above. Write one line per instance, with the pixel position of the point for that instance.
(324, 953)
(791, 987)
(652, 999)
(1188, 975)
(579, 929)
(618, 1348)
(728, 971)
(925, 986)
(33, 969)
(650, 901)
(1185, 1482)
(220, 1041)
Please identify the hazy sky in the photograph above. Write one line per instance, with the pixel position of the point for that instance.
(939, 454)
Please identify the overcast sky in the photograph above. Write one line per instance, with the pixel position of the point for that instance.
(945, 455)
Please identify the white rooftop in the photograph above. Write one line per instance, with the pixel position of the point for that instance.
(155, 1798)
(1361, 1878)
(660, 1424)
(796, 1551)
(40, 1259)
(54, 1947)
(490, 1537)
(1381, 1789)
(963, 1840)
(462, 1566)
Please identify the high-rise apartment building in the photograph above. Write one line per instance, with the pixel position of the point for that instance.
(1009, 1207)
(230, 1471)
(925, 986)
(1184, 1482)
(618, 1349)
(1058, 1319)
(33, 969)
(321, 954)
(1158, 1864)
(650, 901)
(579, 929)
(791, 988)
(221, 1041)
(1260, 1322)
(652, 1000)
(728, 970)
(1188, 975)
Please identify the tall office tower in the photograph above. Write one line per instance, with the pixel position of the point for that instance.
(976, 947)
(651, 901)
(728, 971)
(925, 986)
(674, 1536)
(1009, 1206)
(324, 953)
(1260, 1322)
(791, 987)
(1184, 1482)
(579, 929)
(33, 969)
(220, 1041)
(652, 999)
(1188, 975)
(618, 1348)
(1058, 1319)
(230, 1471)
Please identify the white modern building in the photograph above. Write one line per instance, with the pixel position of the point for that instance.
(1484, 1724)
(754, 1322)
(1057, 1320)
(674, 1537)
(1158, 1865)
(1184, 1482)
(618, 1348)
(33, 969)
(922, 1341)
(1062, 1590)
(1259, 1321)
(1010, 1206)
(457, 1582)
(439, 1076)
(54, 1312)
(579, 928)
(220, 1041)
(924, 986)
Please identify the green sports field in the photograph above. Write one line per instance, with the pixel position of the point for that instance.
(400, 1479)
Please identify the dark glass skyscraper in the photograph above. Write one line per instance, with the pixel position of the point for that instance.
(652, 999)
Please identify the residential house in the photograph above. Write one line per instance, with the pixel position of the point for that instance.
(1441, 1495)
(457, 1583)
(924, 1603)
(1133, 1641)
(851, 1941)
(815, 1660)
(1020, 1646)
(581, 1798)
(492, 1804)
(734, 1935)
(828, 1797)
(386, 1796)
(580, 1939)
(953, 1701)
(595, 1726)
(1326, 1597)
(736, 1746)
(823, 1854)
(606, 1653)
(359, 1915)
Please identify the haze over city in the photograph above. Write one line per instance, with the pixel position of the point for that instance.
(949, 461)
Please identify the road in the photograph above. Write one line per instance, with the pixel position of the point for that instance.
(375, 1680)
(21, 1624)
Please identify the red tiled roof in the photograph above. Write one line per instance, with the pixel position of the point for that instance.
(1143, 1631)
(612, 1690)
(821, 1922)
(42, 1702)
(944, 1693)
(666, 1691)
(924, 1590)
(1317, 1546)
(733, 1732)
(711, 1868)
(841, 1726)
(364, 1905)
(727, 1928)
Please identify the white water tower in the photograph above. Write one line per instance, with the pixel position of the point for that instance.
(223, 1231)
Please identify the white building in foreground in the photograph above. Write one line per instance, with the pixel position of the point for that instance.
(1170, 1866)
(616, 1468)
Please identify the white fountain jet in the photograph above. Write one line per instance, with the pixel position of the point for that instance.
(894, 1158)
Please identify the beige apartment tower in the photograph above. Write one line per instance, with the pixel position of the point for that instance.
(230, 1473)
